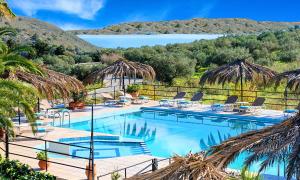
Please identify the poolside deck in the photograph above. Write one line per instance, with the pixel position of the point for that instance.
(104, 166)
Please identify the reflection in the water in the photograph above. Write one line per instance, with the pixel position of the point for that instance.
(211, 141)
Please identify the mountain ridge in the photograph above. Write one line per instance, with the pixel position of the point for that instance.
(193, 26)
(30, 28)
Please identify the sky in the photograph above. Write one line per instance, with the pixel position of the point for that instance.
(92, 14)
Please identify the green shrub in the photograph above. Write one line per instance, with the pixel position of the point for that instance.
(78, 97)
(247, 175)
(132, 88)
(13, 169)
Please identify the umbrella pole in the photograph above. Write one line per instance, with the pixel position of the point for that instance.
(123, 84)
(241, 74)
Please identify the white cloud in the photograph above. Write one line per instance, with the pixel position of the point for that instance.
(139, 16)
(70, 26)
(206, 8)
(85, 9)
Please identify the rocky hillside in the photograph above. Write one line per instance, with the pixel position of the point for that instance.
(28, 27)
(194, 26)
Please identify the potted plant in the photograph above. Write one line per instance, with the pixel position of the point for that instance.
(133, 89)
(78, 101)
(89, 171)
(43, 157)
(115, 176)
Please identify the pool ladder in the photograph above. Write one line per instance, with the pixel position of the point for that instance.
(145, 148)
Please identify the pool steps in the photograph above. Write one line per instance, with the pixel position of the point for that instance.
(113, 139)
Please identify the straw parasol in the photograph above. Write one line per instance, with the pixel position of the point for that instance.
(239, 71)
(120, 69)
(293, 79)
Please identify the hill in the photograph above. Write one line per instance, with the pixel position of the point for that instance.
(28, 28)
(193, 26)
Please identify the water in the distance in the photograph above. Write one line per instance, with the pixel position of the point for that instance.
(127, 41)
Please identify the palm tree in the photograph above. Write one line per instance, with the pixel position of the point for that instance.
(193, 166)
(237, 72)
(120, 69)
(51, 83)
(5, 11)
(16, 94)
(48, 82)
(270, 145)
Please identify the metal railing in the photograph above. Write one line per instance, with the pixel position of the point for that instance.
(274, 99)
(20, 138)
(149, 166)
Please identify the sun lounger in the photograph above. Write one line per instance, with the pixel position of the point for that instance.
(141, 100)
(125, 100)
(108, 99)
(257, 104)
(227, 106)
(171, 102)
(195, 99)
(290, 112)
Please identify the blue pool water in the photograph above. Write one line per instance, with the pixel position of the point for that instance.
(104, 147)
(107, 149)
(127, 41)
(167, 133)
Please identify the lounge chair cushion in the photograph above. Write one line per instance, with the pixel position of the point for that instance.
(64, 110)
(291, 111)
(123, 100)
(143, 97)
(38, 123)
(164, 100)
(245, 107)
(217, 105)
(183, 102)
(59, 106)
(41, 130)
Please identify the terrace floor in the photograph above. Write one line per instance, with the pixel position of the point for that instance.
(104, 166)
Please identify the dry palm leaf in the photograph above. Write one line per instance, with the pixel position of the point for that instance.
(52, 83)
(193, 166)
(120, 69)
(270, 145)
(237, 70)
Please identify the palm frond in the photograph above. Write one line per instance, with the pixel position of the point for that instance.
(52, 83)
(270, 145)
(16, 94)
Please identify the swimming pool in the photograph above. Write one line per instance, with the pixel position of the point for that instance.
(168, 133)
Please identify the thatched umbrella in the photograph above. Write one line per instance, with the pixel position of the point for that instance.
(193, 166)
(120, 69)
(293, 81)
(272, 144)
(237, 72)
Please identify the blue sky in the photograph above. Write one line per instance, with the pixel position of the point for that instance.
(84, 14)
